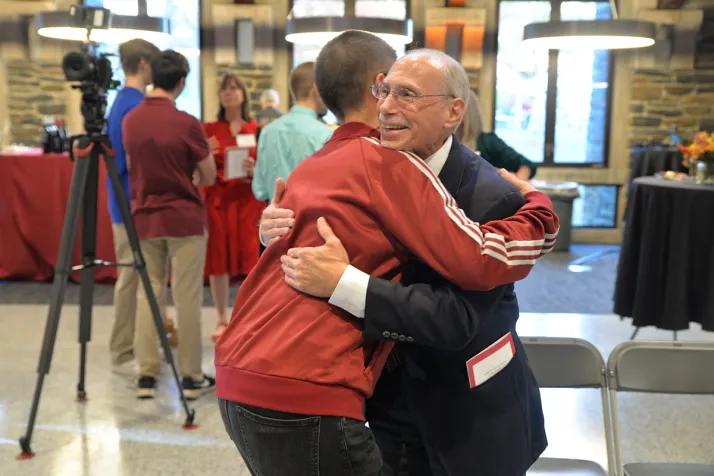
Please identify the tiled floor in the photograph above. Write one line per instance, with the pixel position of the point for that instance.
(114, 434)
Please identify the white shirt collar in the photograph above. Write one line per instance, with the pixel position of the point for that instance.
(437, 160)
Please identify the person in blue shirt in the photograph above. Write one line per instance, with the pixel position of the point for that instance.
(135, 56)
(293, 137)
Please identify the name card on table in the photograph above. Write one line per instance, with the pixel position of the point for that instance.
(234, 168)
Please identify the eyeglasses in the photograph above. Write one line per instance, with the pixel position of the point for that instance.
(382, 91)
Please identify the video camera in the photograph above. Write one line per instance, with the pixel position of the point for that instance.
(93, 71)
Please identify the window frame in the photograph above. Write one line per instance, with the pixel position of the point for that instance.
(203, 37)
(618, 189)
(552, 95)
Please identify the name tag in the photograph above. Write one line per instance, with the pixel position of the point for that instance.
(490, 361)
(245, 141)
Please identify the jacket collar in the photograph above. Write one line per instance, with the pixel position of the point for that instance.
(353, 130)
(451, 174)
(453, 171)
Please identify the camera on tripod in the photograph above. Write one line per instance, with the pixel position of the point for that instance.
(91, 70)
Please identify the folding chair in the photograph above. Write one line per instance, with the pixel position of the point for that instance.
(659, 367)
(569, 363)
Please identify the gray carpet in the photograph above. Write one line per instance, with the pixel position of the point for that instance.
(551, 287)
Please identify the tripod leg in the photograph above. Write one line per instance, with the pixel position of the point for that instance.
(59, 284)
(140, 266)
(89, 246)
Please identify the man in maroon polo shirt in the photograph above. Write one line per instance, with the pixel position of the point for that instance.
(167, 156)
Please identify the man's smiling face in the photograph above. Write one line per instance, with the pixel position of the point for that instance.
(417, 109)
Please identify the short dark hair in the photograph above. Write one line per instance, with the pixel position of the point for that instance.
(302, 78)
(347, 66)
(167, 69)
(133, 51)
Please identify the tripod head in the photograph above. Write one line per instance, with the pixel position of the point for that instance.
(94, 74)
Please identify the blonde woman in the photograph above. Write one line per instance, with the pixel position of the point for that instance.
(488, 145)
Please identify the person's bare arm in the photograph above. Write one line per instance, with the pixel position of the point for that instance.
(207, 170)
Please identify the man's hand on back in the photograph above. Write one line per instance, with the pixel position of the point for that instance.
(522, 186)
(275, 221)
(316, 271)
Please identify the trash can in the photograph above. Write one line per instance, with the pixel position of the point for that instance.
(562, 195)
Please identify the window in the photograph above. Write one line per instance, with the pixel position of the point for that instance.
(596, 207)
(185, 38)
(552, 107)
(395, 9)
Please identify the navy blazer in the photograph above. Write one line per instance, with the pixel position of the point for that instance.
(497, 428)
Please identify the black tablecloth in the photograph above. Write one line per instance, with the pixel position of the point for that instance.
(665, 276)
(646, 161)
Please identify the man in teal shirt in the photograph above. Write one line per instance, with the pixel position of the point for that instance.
(293, 137)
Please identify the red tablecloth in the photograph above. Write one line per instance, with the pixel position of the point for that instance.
(34, 189)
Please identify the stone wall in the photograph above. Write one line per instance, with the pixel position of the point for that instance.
(664, 101)
(36, 89)
(256, 78)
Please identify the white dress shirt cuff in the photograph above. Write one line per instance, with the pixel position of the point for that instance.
(351, 292)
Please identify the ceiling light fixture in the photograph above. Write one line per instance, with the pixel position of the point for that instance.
(320, 30)
(614, 34)
(102, 25)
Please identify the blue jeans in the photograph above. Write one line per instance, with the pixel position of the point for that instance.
(275, 443)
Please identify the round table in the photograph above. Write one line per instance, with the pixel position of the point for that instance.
(646, 161)
(665, 275)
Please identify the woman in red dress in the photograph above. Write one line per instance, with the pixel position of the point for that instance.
(233, 212)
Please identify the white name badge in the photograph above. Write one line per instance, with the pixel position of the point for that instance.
(234, 163)
(245, 141)
(490, 361)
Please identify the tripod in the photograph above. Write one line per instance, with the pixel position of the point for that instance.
(83, 196)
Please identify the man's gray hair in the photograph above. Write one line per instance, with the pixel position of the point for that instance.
(270, 97)
(455, 76)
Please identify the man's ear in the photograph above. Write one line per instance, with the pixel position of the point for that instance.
(456, 112)
(380, 77)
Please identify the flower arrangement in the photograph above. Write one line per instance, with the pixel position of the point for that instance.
(701, 149)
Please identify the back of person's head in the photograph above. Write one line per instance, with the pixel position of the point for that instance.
(302, 79)
(133, 51)
(472, 125)
(168, 69)
(269, 97)
(347, 66)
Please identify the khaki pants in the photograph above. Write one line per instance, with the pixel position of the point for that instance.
(121, 343)
(187, 256)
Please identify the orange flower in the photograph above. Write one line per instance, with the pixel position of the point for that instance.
(703, 143)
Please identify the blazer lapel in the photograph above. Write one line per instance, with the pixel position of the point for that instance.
(452, 173)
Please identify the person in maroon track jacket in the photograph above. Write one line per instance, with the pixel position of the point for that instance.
(293, 372)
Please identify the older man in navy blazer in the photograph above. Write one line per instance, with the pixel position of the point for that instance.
(458, 397)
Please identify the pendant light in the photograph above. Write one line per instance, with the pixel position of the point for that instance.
(614, 34)
(101, 25)
(320, 30)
